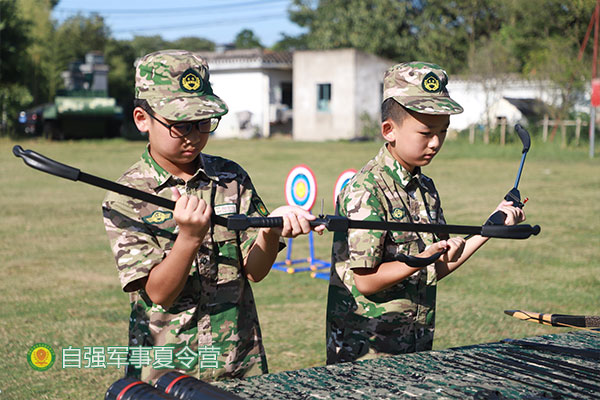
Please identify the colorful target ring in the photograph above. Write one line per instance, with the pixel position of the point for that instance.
(301, 187)
(341, 181)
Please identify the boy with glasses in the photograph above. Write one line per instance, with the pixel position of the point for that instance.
(192, 306)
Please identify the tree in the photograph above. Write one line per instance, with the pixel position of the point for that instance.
(381, 27)
(120, 56)
(143, 45)
(290, 43)
(36, 13)
(246, 39)
(556, 61)
(448, 32)
(73, 39)
(492, 65)
(527, 24)
(13, 65)
(193, 44)
(79, 35)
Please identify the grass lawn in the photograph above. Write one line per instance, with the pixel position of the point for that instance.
(59, 284)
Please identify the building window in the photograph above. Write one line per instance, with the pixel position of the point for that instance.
(323, 96)
(286, 93)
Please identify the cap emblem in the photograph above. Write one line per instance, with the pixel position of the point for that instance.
(431, 83)
(190, 81)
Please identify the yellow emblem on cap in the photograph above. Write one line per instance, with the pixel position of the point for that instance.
(431, 83)
(191, 81)
(158, 217)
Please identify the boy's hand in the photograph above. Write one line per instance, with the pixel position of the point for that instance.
(192, 215)
(452, 249)
(295, 222)
(514, 215)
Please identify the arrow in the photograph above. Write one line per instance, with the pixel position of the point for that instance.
(571, 321)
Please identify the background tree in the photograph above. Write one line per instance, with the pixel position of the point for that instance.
(36, 13)
(492, 66)
(448, 32)
(246, 39)
(147, 44)
(555, 63)
(290, 43)
(381, 27)
(14, 41)
(192, 43)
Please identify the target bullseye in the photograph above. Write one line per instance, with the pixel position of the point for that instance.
(301, 187)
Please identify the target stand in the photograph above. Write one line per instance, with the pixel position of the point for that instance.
(341, 181)
(301, 191)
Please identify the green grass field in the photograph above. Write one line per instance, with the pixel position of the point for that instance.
(59, 284)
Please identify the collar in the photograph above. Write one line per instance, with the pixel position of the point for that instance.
(206, 171)
(394, 169)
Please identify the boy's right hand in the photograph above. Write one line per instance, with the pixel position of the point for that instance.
(452, 249)
(192, 215)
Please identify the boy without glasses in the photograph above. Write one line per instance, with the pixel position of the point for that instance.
(192, 308)
(377, 305)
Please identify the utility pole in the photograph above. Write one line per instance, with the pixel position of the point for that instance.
(595, 98)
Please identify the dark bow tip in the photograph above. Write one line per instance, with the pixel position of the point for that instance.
(18, 151)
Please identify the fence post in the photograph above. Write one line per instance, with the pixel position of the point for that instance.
(545, 130)
(563, 130)
(577, 130)
(503, 132)
(472, 133)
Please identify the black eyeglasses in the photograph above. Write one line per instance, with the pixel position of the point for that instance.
(183, 129)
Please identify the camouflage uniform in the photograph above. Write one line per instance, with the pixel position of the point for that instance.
(215, 313)
(400, 319)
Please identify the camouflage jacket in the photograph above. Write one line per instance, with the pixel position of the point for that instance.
(211, 331)
(399, 319)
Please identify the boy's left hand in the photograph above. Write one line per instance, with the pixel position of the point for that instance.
(295, 222)
(514, 215)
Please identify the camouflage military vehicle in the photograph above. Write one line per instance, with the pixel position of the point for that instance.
(83, 109)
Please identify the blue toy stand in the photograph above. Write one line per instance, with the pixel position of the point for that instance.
(314, 263)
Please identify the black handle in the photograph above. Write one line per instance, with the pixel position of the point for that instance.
(524, 135)
(513, 231)
(418, 262)
(45, 164)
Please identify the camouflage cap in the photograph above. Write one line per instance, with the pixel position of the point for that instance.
(421, 87)
(175, 83)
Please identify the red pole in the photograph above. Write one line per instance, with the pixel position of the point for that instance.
(587, 33)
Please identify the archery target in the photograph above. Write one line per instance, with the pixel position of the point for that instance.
(301, 187)
(341, 181)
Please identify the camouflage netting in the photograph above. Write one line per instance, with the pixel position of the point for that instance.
(486, 371)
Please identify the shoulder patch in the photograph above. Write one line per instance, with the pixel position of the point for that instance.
(398, 213)
(158, 217)
(260, 207)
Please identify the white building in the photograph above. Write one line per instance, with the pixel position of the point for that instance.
(480, 103)
(323, 94)
(332, 89)
(256, 84)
